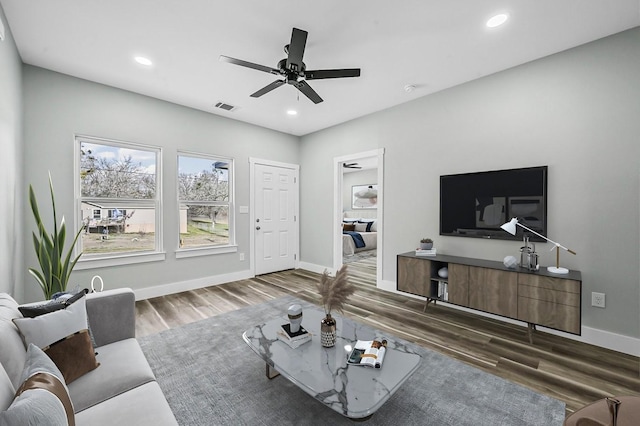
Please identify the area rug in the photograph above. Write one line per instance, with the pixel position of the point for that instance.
(211, 377)
(360, 256)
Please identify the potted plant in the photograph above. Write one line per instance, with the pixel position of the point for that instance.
(334, 293)
(55, 265)
(426, 244)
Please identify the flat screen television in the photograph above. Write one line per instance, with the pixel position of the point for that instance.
(476, 204)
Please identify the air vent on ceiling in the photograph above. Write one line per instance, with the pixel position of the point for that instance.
(224, 106)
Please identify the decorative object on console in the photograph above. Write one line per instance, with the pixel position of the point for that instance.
(528, 255)
(295, 318)
(443, 272)
(510, 262)
(510, 227)
(334, 293)
(426, 244)
(55, 265)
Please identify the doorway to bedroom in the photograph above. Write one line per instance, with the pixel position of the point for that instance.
(358, 201)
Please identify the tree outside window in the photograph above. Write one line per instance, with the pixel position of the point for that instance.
(119, 197)
(204, 201)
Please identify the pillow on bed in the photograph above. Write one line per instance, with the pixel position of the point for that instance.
(350, 219)
(361, 227)
(349, 227)
(371, 225)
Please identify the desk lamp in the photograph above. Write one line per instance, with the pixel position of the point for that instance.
(510, 227)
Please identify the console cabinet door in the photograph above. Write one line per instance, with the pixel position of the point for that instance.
(551, 302)
(414, 275)
(459, 284)
(493, 291)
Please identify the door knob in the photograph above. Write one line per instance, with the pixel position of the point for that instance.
(257, 228)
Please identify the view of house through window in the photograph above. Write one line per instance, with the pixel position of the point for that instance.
(204, 200)
(119, 197)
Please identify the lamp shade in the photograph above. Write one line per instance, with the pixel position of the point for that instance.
(510, 226)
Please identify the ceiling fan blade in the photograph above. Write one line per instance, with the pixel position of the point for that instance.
(308, 91)
(296, 49)
(268, 88)
(249, 65)
(320, 74)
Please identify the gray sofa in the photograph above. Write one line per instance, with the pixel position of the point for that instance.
(121, 391)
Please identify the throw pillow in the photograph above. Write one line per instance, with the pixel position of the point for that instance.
(369, 224)
(33, 310)
(72, 355)
(59, 334)
(43, 398)
(46, 329)
(349, 227)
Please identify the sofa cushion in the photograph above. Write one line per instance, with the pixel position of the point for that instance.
(143, 406)
(42, 398)
(7, 390)
(12, 350)
(123, 366)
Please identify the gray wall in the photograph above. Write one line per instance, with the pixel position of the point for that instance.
(58, 106)
(577, 112)
(11, 241)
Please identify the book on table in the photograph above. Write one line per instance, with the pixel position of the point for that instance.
(294, 340)
(430, 252)
(368, 353)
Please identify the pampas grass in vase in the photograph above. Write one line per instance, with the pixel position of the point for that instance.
(334, 293)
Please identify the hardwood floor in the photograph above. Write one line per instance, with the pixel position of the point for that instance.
(570, 371)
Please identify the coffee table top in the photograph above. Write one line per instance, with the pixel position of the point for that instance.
(323, 373)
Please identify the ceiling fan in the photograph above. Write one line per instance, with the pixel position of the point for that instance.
(351, 166)
(294, 70)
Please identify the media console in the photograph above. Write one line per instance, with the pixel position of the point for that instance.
(535, 297)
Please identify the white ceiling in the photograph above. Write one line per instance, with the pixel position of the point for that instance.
(432, 44)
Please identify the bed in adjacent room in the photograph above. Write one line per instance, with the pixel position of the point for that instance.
(358, 234)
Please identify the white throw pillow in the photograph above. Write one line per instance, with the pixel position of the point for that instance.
(49, 328)
(361, 227)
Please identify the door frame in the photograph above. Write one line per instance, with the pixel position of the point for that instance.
(338, 207)
(252, 214)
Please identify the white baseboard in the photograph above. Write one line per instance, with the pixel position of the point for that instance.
(593, 336)
(165, 289)
(318, 269)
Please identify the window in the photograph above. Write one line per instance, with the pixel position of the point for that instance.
(118, 198)
(205, 200)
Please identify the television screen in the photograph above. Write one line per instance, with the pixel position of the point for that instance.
(477, 204)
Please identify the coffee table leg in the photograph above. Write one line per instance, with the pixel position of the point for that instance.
(269, 374)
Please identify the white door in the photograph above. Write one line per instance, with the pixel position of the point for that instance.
(275, 227)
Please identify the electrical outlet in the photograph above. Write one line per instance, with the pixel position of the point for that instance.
(597, 299)
(241, 257)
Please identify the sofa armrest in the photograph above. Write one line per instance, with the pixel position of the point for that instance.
(112, 315)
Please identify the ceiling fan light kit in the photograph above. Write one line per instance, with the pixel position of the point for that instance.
(293, 70)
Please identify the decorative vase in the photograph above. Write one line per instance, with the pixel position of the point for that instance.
(328, 331)
(426, 246)
(295, 317)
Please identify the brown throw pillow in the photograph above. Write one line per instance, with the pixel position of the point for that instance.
(349, 227)
(73, 355)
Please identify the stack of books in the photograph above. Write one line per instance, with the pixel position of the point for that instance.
(294, 340)
(430, 252)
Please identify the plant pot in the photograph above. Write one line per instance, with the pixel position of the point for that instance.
(426, 246)
(328, 332)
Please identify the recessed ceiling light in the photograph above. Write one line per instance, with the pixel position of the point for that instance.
(143, 61)
(292, 112)
(497, 20)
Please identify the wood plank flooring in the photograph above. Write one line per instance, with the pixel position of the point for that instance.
(570, 371)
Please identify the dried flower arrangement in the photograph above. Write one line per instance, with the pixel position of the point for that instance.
(335, 291)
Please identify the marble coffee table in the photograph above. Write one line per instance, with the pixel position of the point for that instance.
(353, 391)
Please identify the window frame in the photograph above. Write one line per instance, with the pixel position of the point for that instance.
(93, 260)
(231, 246)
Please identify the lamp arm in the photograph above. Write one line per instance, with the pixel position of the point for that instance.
(542, 236)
